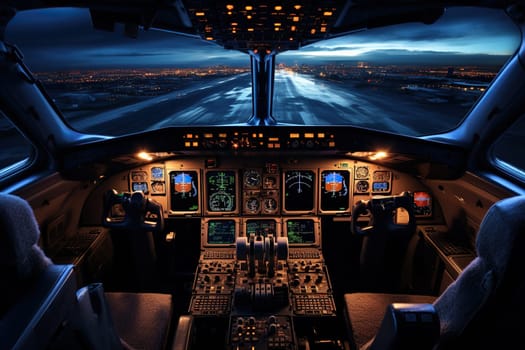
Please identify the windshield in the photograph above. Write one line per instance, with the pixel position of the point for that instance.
(411, 79)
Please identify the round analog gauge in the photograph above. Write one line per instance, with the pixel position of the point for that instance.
(252, 178)
(362, 186)
(361, 172)
(269, 205)
(270, 182)
(252, 204)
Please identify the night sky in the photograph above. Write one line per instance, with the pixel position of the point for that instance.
(61, 39)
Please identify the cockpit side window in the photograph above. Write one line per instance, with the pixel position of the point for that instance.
(16, 152)
(508, 150)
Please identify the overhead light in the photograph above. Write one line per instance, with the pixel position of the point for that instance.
(199, 14)
(248, 8)
(379, 155)
(327, 13)
(278, 8)
(297, 7)
(144, 156)
(229, 7)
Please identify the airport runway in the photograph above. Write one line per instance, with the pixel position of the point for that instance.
(298, 99)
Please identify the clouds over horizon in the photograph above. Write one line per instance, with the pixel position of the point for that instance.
(65, 39)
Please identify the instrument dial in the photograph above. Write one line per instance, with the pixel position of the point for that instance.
(362, 186)
(252, 178)
(269, 205)
(252, 204)
(361, 172)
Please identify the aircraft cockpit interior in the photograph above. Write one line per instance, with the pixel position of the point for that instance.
(259, 236)
(253, 175)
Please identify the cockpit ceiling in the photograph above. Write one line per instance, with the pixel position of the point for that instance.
(272, 25)
(248, 25)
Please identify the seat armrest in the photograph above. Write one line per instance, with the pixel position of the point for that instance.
(183, 333)
(407, 326)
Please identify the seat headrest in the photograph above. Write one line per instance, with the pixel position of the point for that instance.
(20, 255)
(501, 232)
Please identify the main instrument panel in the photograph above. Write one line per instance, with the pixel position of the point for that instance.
(212, 187)
(261, 270)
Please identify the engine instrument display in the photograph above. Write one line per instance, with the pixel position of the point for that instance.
(157, 173)
(139, 186)
(221, 232)
(422, 204)
(221, 190)
(300, 231)
(380, 187)
(139, 176)
(334, 190)
(381, 175)
(184, 191)
(260, 227)
(299, 190)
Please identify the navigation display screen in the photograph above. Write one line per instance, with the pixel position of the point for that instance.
(260, 227)
(221, 232)
(299, 190)
(221, 190)
(300, 231)
(184, 191)
(334, 190)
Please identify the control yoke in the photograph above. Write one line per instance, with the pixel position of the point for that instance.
(383, 214)
(132, 211)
